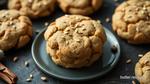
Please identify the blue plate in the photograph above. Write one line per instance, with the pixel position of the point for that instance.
(99, 68)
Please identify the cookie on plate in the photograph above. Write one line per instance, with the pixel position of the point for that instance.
(75, 41)
(142, 69)
(131, 21)
(82, 7)
(15, 29)
(33, 8)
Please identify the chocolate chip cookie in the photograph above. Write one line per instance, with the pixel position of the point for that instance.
(83, 7)
(15, 29)
(142, 69)
(33, 8)
(75, 41)
(131, 21)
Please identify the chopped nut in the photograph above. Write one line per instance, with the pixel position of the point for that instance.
(66, 33)
(133, 82)
(46, 23)
(128, 61)
(107, 19)
(15, 59)
(14, 26)
(114, 49)
(140, 55)
(31, 76)
(26, 63)
(28, 80)
(137, 29)
(43, 78)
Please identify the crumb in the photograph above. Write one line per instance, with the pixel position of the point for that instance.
(128, 61)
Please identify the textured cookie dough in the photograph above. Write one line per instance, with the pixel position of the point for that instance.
(131, 21)
(142, 69)
(83, 7)
(15, 29)
(33, 8)
(75, 41)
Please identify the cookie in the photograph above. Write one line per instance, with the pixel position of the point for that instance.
(74, 41)
(131, 21)
(33, 8)
(15, 29)
(82, 7)
(142, 69)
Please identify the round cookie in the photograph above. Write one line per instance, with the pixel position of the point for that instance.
(15, 29)
(142, 69)
(75, 41)
(82, 7)
(131, 21)
(33, 8)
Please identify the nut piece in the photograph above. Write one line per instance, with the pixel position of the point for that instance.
(43, 78)
(82, 7)
(131, 21)
(80, 47)
(15, 59)
(128, 61)
(142, 69)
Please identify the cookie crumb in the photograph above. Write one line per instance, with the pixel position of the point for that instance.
(15, 59)
(133, 82)
(43, 78)
(114, 49)
(140, 55)
(128, 61)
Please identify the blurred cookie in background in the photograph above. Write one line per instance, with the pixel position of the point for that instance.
(82, 7)
(15, 29)
(131, 21)
(142, 69)
(33, 8)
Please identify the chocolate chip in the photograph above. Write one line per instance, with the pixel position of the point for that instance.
(114, 49)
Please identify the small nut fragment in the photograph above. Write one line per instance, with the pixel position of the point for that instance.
(128, 61)
(26, 63)
(46, 23)
(140, 55)
(107, 19)
(43, 78)
(15, 59)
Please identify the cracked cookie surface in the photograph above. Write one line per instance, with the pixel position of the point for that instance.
(131, 21)
(33, 8)
(142, 69)
(15, 29)
(75, 41)
(82, 7)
